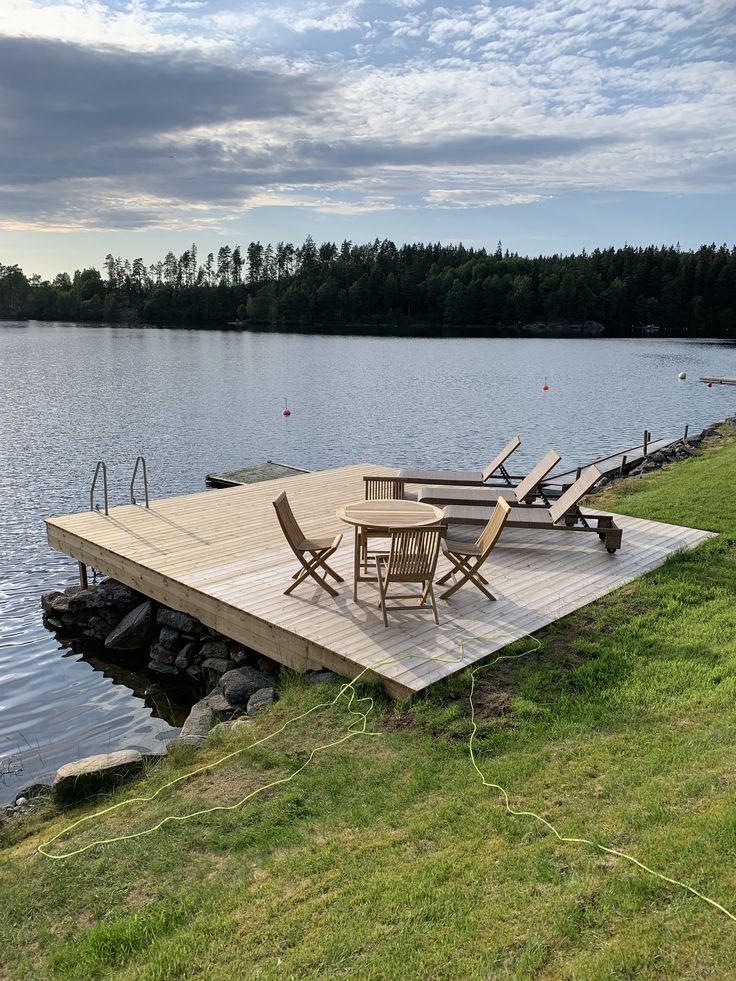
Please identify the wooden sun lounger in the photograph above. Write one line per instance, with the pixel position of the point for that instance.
(563, 515)
(526, 492)
(466, 478)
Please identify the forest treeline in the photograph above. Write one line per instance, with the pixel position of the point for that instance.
(438, 287)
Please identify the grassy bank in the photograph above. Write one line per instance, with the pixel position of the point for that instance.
(387, 858)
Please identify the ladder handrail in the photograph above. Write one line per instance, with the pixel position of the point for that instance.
(100, 464)
(139, 459)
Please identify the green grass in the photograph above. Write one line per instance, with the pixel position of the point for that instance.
(387, 858)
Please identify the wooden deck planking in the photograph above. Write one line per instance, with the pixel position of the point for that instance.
(220, 556)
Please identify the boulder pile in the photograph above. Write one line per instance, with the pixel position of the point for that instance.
(124, 620)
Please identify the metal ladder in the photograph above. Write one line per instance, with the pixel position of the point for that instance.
(101, 465)
(101, 468)
(139, 460)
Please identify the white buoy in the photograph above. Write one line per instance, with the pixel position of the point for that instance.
(682, 376)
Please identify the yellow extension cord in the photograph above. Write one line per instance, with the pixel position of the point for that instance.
(357, 727)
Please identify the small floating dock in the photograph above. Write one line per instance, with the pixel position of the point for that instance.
(220, 556)
(718, 381)
(270, 470)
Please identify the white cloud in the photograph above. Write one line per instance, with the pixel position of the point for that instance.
(646, 97)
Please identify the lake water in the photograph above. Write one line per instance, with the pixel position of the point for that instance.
(199, 401)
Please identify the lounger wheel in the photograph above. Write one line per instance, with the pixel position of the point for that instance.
(602, 535)
(611, 550)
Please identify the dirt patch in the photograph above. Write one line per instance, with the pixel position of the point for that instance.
(491, 702)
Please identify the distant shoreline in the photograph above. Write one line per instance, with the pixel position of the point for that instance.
(550, 331)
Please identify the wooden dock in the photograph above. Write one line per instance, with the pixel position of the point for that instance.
(716, 380)
(620, 462)
(220, 556)
(270, 470)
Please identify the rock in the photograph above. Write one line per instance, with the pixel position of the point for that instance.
(107, 593)
(322, 677)
(197, 725)
(170, 638)
(88, 599)
(219, 730)
(239, 723)
(177, 620)
(688, 452)
(134, 630)
(260, 700)
(53, 623)
(60, 604)
(72, 590)
(267, 666)
(219, 665)
(98, 628)
(217, 701)
(20, 801)
(48, 598)
(163, 654)
(194, 671)
(187, 657)
(239, 684)
(161, 668)
(214, 648)
(239, 656)
(95, 773)
(191, 652)
(35, 790)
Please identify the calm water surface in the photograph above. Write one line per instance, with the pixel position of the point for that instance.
(200, 401)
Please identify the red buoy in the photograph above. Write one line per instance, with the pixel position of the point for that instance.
(545, 387)
(709, 385)
(287, 411)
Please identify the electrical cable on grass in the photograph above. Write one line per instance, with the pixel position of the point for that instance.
(359, 727)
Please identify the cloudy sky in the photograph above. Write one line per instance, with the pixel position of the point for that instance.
(135, 126)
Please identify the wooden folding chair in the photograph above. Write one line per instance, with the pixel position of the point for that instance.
(467, 558)
(413, 558)
(383, 488)
(311, 552)
(377, 489)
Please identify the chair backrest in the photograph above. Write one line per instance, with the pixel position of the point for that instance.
(575, 493)
(498, 461)
(413, 556)
(490, 534)
(289, 524)
(384, 488)
(536, 475)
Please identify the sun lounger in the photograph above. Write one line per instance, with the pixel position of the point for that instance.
(466, 478)
(526, 492)
(563, 515)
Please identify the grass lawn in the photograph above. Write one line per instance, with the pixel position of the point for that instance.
(387, 858)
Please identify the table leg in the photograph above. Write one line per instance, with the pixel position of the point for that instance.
(356, 563)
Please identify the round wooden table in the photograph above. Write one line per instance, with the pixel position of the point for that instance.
(380, 518)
